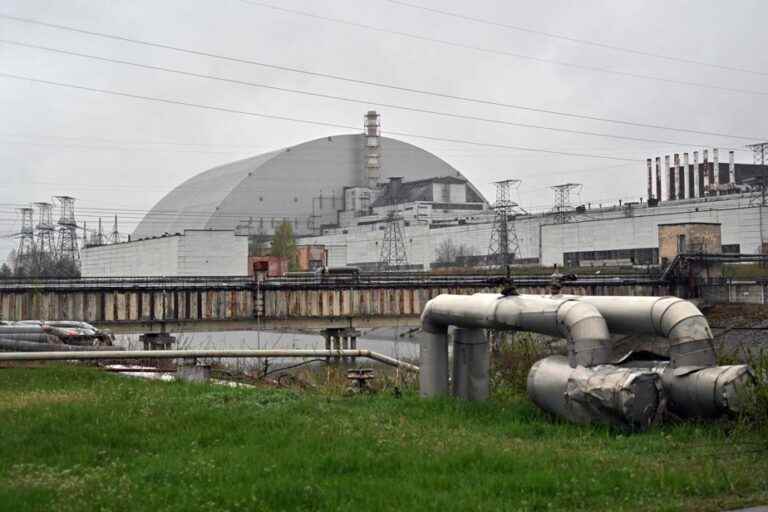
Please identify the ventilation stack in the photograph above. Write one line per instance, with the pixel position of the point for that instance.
(372, 150)
(697, 190)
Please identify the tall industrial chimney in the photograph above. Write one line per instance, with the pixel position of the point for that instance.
(696, 176)
(731, 171)
(707, 183)
(716, 167)
(650, 178)
(372, 149)
(659, 197)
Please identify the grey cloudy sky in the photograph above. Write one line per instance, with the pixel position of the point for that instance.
(117, 153)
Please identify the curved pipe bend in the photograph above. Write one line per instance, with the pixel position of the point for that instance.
(579, 322)
(678, 320)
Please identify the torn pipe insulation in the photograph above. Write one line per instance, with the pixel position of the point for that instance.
(676, 319)
(580, 323)
(628, 398)
(699, 392)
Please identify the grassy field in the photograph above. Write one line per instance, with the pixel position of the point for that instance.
(78, 439)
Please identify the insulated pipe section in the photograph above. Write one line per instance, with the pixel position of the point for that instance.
(471, 364)
(580, 323)
(676, 319)
(629, 398)
(706, 392)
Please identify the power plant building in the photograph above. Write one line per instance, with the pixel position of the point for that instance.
(348, 193)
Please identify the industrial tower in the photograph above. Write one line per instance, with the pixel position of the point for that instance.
(67, 243)
(393, 255)
(563, 205)
(504, 245)
(26, 235)
(114, 236)
(372, 126)
(45, 244)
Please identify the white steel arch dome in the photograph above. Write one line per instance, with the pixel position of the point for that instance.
(283, 184)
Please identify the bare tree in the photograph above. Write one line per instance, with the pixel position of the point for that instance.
(449, 252)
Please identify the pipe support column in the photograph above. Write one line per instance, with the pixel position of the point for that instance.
(471, 364)
(433, 364)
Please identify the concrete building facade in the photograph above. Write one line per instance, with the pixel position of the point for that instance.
(193, 253)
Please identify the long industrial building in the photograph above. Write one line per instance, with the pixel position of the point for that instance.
(364, 197)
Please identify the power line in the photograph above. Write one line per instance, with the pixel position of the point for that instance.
(304, 121)
(372, 83)
(505, 53)
(570, 39)
(345, 98)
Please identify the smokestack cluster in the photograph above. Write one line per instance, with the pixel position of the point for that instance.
(681, 179)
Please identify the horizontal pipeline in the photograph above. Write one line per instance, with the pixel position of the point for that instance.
(194, 354)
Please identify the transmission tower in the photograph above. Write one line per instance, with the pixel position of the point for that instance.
(46, 230)
(67, 242)
(114, 236)
(26, 236)
(99, 234)
(504, 245)
(393, 255)
(563, 205)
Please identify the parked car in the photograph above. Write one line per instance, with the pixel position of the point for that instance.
(69, 332)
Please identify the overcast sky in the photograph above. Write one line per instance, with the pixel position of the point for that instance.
(123, 154)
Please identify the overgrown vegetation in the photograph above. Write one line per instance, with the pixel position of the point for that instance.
(284, 245)
(78, 439)
(39, 265)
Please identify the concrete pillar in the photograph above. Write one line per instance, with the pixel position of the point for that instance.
(697, 192)
(676, 175)
(731, 171)
(687, 177)
(471, 363)
(658, 179)
(433, 364)
(706, 173)
(666, 182)
(716, 167)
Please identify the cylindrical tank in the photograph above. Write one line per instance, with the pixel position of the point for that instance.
(625, 397)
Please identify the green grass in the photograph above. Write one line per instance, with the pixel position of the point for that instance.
(77, 439)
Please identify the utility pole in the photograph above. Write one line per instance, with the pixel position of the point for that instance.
(504, 245)
(393, 255)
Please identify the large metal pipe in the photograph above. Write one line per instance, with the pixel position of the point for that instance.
(626, 397)
(580, 323)
(671, 317)
(695, 392)
(92, 355)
